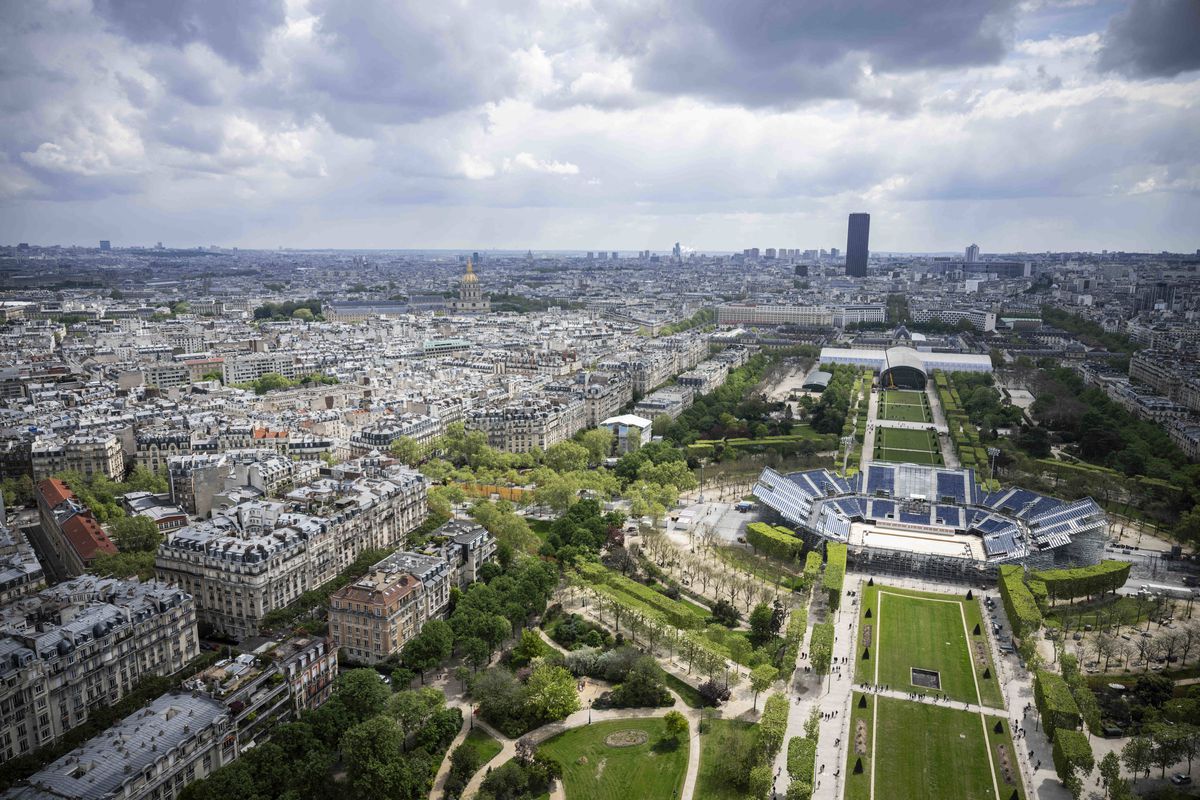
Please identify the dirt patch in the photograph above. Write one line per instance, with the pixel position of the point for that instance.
(981, 658)
(860, 738)
(866, 635)
(626, 738)
(1004, 758)
(600, 768)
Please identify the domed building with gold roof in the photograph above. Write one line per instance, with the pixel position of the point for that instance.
(470, 293)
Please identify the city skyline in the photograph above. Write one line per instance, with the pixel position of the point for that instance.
(1026, 127)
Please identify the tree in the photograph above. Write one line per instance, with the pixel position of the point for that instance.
(1110, 770)
(761, 621)
(1166, 746)
(676, 725)
(136, 534)
(413, 708)
(371, 753)
(761, 678)
(566, 457)
(598, 443)
(361, 693)
(1137, 755)
(551, 693)
(408, 450)
(303, 314)
(725, 613)
(661, 424)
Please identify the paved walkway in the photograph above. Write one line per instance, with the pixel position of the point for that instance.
(868, 449)
(949, 456)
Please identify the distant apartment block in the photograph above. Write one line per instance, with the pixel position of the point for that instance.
(528, 424)
(82, 645)
(374, 617)
(261, 555)
(86, 453)
(68, 538)
(629, 432)
(979, 319)
(750, 315)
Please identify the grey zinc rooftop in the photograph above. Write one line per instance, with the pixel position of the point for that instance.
(97, 769)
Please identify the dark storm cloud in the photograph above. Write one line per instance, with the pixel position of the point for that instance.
(1153, 38)
(768, 52)
(234, 29)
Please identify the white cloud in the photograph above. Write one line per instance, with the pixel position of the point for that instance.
(527, 161)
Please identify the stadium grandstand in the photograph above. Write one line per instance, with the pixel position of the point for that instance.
(935, 521)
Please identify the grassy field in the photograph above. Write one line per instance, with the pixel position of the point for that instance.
(904, 406)
(592, 770)
(916, 629)
(714, 743)
(944, 753)
(915, 447)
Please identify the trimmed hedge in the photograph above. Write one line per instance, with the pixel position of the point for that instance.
(1067, 584)
(797, 624)
(812, 565)
(801, 766)
(1018, 601)
(772, 727)
(820, 648)
(1059, 711)
(835, 572)
(774, 541)
(1072, 752)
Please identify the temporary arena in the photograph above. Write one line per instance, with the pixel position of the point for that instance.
(933, 521)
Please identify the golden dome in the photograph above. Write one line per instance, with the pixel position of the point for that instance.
(470, 277)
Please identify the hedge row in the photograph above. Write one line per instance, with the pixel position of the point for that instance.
(791, 641)
(1052, 696)
(1067, 584)
(802, 766)
(1018, 601)
(820, 648)
(812, 565)
(775, 541)
(835, 572)
(1072, 752)
(639, 597)
(772, 727)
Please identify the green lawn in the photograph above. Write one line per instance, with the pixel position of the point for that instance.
(483, 744)
(927, 751)
(688, 693)
(715, 742)
(917, 629)
(594, 771)
(900, 444)
(858, 787)
(905, 406)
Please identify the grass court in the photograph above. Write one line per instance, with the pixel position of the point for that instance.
(926, 631)
(904, 445)
(920, 750)
(904, 406)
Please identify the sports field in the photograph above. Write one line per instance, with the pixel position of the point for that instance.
(932, 632)
(913, 751)
(904, 406)
(902, 444)
(909, 749)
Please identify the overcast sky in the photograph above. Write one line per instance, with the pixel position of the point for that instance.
(602, 124)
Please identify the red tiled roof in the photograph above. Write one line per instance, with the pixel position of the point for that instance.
(87, 537)
(54, 491)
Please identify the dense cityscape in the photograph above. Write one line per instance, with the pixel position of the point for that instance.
(450, 510)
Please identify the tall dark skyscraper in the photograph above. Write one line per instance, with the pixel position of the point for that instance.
(857, 239)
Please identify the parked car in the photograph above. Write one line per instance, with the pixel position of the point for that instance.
(1179, 779)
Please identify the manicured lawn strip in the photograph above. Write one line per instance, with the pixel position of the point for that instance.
(483, 744)
(908, 456)
(652, 770)
(688, 693)
(905, 439)
(915, 628)
(904, 406)
(858, 787)
(713, 747)
(1006, 789)
(928, 751)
